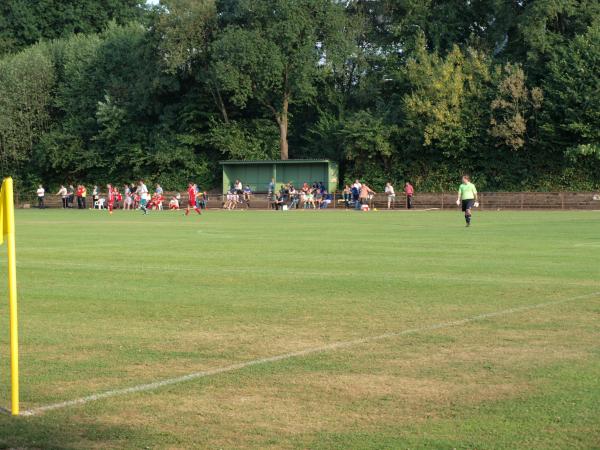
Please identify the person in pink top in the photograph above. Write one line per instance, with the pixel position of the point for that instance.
(409, 191)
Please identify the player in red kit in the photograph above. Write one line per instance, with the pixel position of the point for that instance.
(111, 198)
(192, 200)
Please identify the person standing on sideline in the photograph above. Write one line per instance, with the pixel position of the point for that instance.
(41, 193)
(409, 191)
(192, 200)
(83, 197)
(62, 192)
(111, 198)
(391, 194)
(70, 196)
(128, 197)
(78, 193)
(159, 189)
(467, 197)
(95, 196)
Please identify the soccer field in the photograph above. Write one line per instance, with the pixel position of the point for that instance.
(333, 329)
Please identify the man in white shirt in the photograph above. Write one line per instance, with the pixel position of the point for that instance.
(238, 187)
(142, 191)
(41, 192)
(391, 194)
(64, 195)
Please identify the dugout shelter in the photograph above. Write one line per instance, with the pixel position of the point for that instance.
(258, 174)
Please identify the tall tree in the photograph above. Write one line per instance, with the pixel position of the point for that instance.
(272, 51)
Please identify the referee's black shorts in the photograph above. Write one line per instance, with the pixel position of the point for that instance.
(468, 204)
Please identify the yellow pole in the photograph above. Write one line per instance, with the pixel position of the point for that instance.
(12, 295)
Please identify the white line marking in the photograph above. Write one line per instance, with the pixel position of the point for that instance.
(309, 351)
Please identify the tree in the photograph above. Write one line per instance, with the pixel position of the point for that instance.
(26, 82)
(514, 107)
(271, 51)
(25, 22)
(572, 114)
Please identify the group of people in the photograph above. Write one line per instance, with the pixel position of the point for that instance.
(360, 194)
(237, 196)
(67, 195)
(315, 196)
(308, 196)
(134, 196)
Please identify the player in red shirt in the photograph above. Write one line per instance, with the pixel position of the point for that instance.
(192, 200)
(111, 198)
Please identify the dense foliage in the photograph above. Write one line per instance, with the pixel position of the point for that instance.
(97, 91)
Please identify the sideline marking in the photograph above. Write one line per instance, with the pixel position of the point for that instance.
(309, 351)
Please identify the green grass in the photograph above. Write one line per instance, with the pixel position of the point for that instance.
(111, 302)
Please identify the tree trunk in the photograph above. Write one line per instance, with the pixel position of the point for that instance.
(283, 130)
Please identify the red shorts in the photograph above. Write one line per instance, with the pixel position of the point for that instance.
(191, 204)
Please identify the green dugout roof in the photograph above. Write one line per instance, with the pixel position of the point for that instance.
(276, 161)
(258, 174)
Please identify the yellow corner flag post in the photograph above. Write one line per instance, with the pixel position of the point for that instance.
(7, 229)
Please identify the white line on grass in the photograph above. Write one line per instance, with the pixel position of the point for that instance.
(309, 351)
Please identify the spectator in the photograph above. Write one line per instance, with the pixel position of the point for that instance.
(174, 202)
(326, 201)
(78, 194)
(347, 196)
(70, 196)
(156, 202)
(294, 196)
(318, 198)
(309, 201)
(64, 195)
(84, 196)
(41, 193)
(409, 191)
(128, 203)
(391, 195)
(232, 200)
(118, 197)
(159, 189)
(247, 195)
(278, 202)
(95, 196)
(238, 188)
(271, 189)
(356, 195)
(202, 199)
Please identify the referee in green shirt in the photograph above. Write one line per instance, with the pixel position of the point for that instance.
(467, 197)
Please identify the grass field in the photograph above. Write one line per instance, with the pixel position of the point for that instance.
(115, 302)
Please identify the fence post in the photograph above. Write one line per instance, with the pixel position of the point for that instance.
(562, 200)
(442, 200)
(481, 201)
(521, 200)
